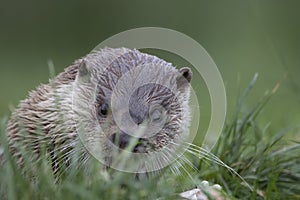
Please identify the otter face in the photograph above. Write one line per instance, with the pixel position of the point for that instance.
(133, 97)
(155, 119)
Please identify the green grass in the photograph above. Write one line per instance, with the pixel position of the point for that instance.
(267, 161)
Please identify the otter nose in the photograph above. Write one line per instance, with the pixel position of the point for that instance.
(122, 140)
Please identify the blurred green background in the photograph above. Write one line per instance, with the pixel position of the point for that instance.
(242, 37)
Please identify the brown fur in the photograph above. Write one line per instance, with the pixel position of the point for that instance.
(48, 117)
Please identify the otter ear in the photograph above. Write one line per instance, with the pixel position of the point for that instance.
(184, 78)
(84, 73)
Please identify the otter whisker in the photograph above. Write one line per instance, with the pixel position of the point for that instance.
(184, 160)
(188, 162)
(175, 170)
(184, 169)
(199, 152)
(162, 159)
(203, 152)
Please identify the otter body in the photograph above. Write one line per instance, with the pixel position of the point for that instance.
(88, 96)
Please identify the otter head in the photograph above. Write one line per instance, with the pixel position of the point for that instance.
(125, 100)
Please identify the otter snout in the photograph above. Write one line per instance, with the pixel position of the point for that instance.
(122, 140)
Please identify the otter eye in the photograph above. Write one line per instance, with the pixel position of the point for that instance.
(103, 109)
(156, 115)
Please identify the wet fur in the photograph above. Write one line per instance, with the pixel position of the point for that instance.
(48, 118)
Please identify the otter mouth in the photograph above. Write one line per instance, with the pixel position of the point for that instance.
(126, 142)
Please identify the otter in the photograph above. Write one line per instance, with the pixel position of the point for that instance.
(105, 99)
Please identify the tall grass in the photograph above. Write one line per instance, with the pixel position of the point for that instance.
(268, 162)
